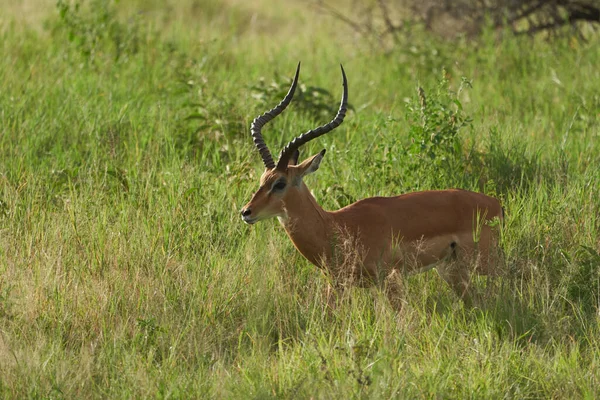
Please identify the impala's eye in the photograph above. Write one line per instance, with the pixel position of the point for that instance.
(279, 186)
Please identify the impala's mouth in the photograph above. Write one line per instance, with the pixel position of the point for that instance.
(248, 220)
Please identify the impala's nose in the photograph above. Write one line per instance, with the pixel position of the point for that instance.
(246, 212)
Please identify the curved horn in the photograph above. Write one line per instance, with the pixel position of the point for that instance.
(261, 120)
(292, 146)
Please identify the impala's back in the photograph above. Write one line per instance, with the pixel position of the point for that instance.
(416, 230)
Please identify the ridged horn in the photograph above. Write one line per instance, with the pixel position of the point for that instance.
(295, 144)
(261, 120)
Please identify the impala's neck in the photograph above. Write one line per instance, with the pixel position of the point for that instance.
(308, 225)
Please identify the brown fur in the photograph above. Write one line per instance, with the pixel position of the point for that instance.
(406, 233)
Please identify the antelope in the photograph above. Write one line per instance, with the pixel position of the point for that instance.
(451, 230)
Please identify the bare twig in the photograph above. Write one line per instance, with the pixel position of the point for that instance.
(363, 29)
(390, 27)
(539, 15)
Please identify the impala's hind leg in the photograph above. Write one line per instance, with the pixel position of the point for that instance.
(457, 272)
(458, 277)
(485, 257)
(495, 268)
(392, 287)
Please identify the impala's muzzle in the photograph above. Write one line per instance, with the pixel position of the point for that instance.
(247, 216)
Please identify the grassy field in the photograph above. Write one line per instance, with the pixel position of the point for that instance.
(125, 156)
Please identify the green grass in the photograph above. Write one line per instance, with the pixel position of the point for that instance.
(125, 156)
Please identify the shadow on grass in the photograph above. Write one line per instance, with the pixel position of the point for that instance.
(502, 169)
(527, 310)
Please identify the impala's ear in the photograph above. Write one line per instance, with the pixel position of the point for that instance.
(294, 158)
(310, 165)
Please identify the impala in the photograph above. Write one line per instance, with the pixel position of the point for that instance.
(450, 230)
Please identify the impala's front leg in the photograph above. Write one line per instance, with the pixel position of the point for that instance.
(392, 287)
(334, 293)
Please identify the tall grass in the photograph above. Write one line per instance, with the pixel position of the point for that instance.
(125, 270)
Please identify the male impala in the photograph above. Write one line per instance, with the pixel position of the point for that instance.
(448, 229)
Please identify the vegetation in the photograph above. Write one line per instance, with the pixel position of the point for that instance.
(125, 156)
(383, 20)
